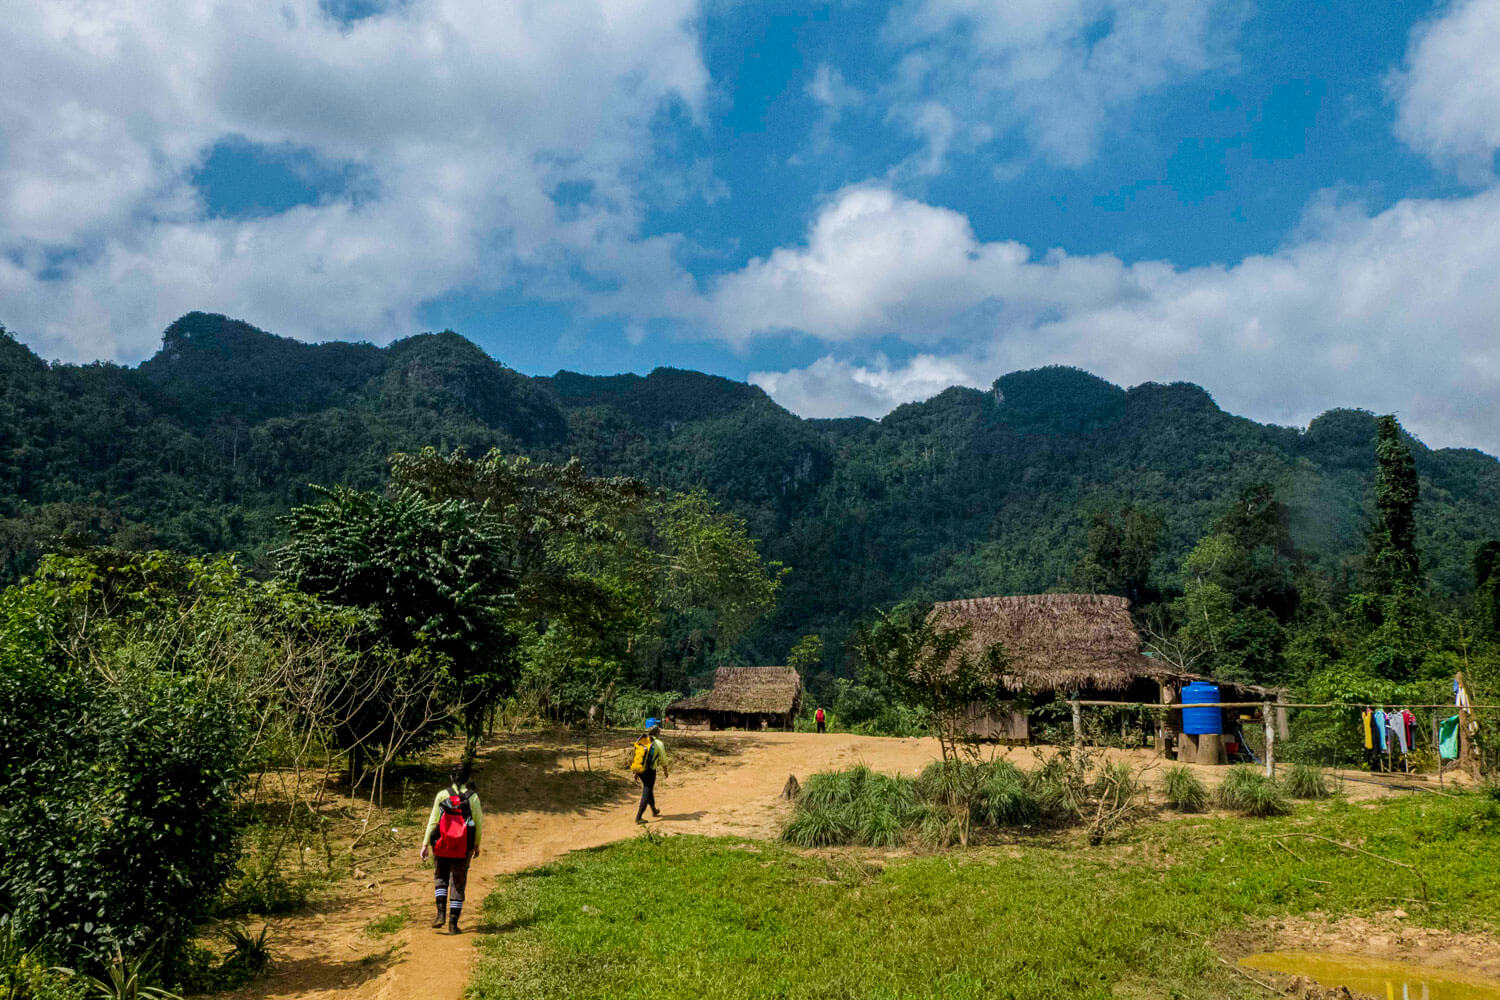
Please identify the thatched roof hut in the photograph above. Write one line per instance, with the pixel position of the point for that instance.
(1056, 642)
(1070, 644)
(747, 697)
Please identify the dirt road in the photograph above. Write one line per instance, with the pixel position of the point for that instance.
(541, 800)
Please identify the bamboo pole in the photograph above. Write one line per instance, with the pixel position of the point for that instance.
(1270, 723)
(1077, 723)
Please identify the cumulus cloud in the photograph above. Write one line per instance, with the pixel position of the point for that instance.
(834, 388)
(1058, 70)
(1393, 311)
(464, 114)
(1448, 94)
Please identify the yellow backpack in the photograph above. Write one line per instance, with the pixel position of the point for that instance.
(641, 753)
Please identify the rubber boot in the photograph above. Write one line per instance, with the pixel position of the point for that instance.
(453, 922)
(437, 921)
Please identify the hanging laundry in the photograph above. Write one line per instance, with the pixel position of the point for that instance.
(1378, 719)
(1398, 731)
(1411, 728)
(1364, 718)
(1448, 738)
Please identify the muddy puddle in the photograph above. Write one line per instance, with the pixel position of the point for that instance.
(1377, 977)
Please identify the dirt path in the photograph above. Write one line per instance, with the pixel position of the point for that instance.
(541, 801)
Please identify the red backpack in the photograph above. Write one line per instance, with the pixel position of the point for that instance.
(455, 829)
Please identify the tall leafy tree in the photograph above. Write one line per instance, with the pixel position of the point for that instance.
(615, 581)
(438, 574)
(1487, 588)
(1119, 551)
(1263, 565)
(1392, 563)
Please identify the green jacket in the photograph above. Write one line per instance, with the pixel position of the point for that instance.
(658, 756)
(437, 811)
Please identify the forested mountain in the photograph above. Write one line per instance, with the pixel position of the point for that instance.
(204, 445)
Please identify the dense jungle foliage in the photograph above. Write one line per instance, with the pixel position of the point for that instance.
(1020, 489)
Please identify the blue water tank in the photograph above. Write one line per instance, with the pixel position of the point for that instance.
(1197, 721)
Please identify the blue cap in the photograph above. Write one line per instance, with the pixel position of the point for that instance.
(652, 723)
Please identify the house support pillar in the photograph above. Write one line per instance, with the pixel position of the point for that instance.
(1166, 725)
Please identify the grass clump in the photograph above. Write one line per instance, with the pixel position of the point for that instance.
(858, 807)
(390, 923)
(1184, 790)
(1305, 781)
(1004, 798)
(948, 802)
(1248, 791)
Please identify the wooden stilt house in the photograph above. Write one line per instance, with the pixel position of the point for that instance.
(1065, 646)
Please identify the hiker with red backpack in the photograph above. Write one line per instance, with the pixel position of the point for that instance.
(648, 755)
(818, 715)
(452, 834)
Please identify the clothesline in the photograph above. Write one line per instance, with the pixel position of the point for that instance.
(1260, 704)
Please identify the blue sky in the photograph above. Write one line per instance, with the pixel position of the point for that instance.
(853, 205)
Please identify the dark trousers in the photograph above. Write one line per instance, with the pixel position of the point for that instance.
(648, 794)
(820, 725)
(450, 879)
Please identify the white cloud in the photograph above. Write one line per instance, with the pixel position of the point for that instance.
(829, 88)
(1392, 312)
(1059, 70)
(1448, 97)
(833, 388)
(465, 115)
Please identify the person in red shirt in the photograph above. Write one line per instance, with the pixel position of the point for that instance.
(819, 716)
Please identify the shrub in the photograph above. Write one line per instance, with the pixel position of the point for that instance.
(1248, 791)
(1305, 781)
(1183, 789)
(125, 804)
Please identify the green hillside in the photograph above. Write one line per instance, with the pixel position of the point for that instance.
(972, 492)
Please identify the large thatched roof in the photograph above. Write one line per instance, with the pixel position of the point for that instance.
(1056, 642)
(749, 690)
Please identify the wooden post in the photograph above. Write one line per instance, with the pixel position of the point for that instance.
(1270, 724)
(1211, 748)
(1437, 747)
(1165, 730)
(1282, 732)
(1077, 723)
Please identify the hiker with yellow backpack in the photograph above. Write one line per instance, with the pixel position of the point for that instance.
(647, 756)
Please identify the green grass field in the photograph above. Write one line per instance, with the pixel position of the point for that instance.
(700, 918)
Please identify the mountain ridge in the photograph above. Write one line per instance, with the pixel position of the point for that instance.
(972, 491)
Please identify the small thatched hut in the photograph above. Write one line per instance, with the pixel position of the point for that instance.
(1056, 645)
(743, 698)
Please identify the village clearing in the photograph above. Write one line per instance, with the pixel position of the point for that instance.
(708, 905)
